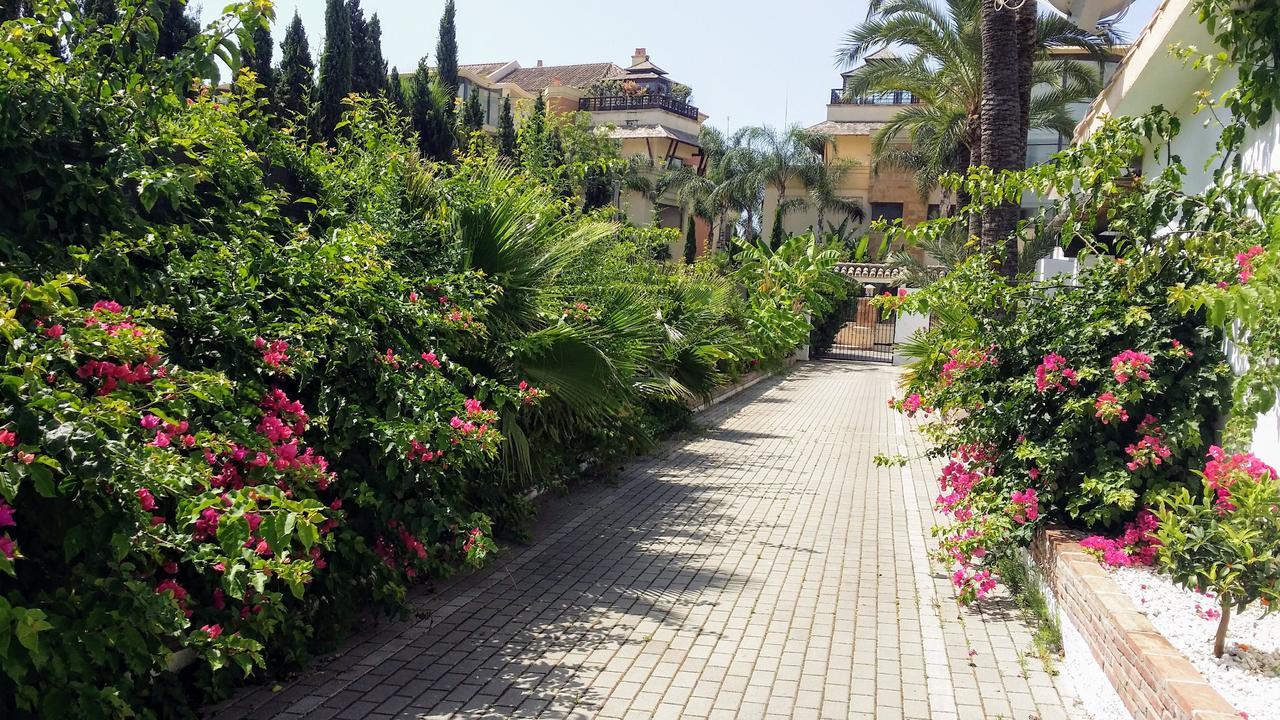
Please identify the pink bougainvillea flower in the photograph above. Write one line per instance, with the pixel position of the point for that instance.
(213, 631)
(1245, 261)
(150, 422)
(1053, 373)
(145, 498)
(1108, 408)
(8, 437)
(109, 306)
(25, 458)
(413, 296)
(1025, 506)
(6, 515)
(207, 524)
(8, 547)
(55, 331)
(1130, 364)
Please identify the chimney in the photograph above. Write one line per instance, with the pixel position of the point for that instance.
(640, 56)
(539, 63)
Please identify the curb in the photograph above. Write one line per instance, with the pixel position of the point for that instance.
(1152, 678)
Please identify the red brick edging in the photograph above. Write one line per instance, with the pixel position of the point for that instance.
(1152, 678)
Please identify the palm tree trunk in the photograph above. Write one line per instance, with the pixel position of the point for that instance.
(1001, 120)
(973, 149)
(1025, 23)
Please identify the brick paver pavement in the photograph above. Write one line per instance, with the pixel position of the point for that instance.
(762, 567)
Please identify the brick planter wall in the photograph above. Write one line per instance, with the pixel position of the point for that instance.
(1153, 679)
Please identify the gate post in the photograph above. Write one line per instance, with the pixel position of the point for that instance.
(907, 325)
(802, 352)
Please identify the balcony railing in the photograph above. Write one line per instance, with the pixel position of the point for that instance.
(892, 97)
(638, 102)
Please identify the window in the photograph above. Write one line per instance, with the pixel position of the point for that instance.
(889, 211)
(933, 212)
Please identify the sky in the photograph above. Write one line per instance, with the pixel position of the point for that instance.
(749, 62)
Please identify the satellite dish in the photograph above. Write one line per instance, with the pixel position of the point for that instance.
(1089, 13)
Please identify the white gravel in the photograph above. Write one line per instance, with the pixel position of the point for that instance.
(1247, 674)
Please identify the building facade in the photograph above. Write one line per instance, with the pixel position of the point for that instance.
(852, 122)
(891, 193)
(643, 108)
(1150, 76)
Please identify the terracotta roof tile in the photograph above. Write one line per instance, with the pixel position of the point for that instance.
(536, 79)
(484, 69)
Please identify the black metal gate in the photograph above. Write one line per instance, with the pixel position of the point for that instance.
(863, 334)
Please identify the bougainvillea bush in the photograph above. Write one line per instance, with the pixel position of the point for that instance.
(255, 384)
(1074, 406)
(1083, 400)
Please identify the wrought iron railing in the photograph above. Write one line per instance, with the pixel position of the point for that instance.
(891, 97)
(638, 102)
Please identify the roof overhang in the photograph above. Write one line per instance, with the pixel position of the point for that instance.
(1148, 75)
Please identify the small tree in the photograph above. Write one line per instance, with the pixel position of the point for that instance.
(335, 65)
(473, 114)
(395, 90)
(1228, 540)
(691, 242)
(435, 137)
(776, 235)
(258, 58)
(507, 131)
(295, 78)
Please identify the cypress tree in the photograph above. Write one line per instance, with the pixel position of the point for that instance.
(776, 234)
(375, 65)
(258, 59)
(447, 51)
(395, 91)
(473, 114)
(368, 69)
(335, 65)
(507, 131)
(12, 9)
(691, 242)
(435, 136)
(176, 28)
(295, 78)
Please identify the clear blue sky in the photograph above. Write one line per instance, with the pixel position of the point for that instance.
(750, 62)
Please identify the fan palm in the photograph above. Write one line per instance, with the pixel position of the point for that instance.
(943, 69)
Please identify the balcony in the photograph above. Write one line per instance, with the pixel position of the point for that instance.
(612, 103)
(892, 97)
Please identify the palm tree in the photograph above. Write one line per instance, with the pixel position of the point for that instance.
(945, 69)
(794, 154)
(727, 189)
(823, 188)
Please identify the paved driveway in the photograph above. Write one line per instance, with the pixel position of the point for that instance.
(762, 566)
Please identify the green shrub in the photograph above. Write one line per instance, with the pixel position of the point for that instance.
(355, 361)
